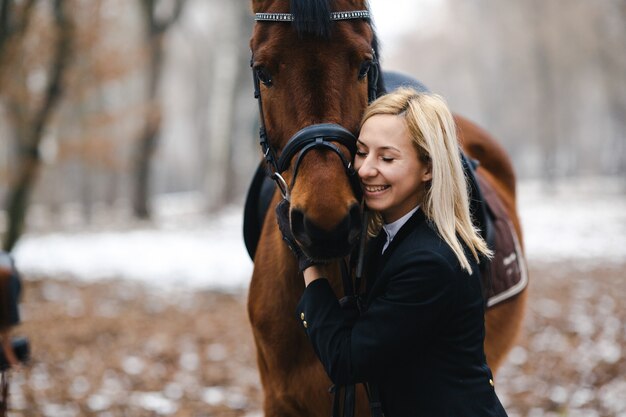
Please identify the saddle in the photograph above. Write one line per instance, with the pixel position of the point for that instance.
(503, 277)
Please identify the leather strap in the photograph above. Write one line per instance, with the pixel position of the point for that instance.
(374, 398)
(315, 135)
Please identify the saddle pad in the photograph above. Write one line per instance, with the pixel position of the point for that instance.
(506, 275)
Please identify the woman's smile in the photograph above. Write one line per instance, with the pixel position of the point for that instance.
(375, 190)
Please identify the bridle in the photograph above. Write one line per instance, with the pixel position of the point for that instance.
(318, 136)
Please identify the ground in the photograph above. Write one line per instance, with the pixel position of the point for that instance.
(119, 348)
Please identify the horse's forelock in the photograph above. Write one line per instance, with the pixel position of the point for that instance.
(311, 17)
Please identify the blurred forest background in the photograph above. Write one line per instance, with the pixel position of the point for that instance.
(128, 129)
(105, 104)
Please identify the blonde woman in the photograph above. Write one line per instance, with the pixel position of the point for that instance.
(420, 337)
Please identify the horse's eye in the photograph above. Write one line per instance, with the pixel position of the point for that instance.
(264, 76)
(365, 67)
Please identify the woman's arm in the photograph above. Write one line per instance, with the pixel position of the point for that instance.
(416, 295)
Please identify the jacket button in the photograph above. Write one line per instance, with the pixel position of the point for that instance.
(305, 324)
(301, 316)
(491, 382)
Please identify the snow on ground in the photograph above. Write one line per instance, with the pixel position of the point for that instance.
(197, 253)
(581, 221)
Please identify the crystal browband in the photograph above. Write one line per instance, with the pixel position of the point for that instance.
(288, 17)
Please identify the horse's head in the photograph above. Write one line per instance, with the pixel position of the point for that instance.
(312, 67)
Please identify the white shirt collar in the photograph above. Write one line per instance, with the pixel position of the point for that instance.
(392, 228)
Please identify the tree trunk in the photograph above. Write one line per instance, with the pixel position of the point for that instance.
(219, 181)
(155, 34)
(17, 201)
(30, 138)
(546, 106)
(12, 24)
(148, 141)
(615, 86)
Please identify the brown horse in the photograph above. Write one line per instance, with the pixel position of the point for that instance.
(312, 70)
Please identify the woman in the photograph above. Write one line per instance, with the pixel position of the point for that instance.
(420, 336)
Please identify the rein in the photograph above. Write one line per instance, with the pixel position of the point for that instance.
(324, 136)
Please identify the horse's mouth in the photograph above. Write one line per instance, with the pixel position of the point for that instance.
(322, 245)
(325, 251)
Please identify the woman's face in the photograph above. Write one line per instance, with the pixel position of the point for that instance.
(388, 165)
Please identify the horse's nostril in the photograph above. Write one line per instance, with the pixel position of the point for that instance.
(298, 227)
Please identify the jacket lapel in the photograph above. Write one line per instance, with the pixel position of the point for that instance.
(375, 281)
(373, 258)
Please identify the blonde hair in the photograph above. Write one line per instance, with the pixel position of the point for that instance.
(445, 201)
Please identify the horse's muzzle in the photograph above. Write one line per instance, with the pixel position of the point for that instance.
(323, 245)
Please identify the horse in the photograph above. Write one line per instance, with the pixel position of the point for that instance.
(315, 67)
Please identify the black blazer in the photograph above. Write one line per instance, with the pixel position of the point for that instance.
(421, 336)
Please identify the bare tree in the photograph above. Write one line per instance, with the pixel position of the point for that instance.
(156, 26)
(612, 23)
(229, 75)
(13, 22)
(31, 119)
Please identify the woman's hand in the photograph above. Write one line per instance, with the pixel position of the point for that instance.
(312, 273)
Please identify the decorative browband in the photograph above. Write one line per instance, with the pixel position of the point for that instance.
(288, 17)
